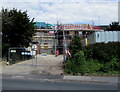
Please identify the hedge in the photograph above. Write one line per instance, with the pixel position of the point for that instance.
(103, 52)
(95, 58)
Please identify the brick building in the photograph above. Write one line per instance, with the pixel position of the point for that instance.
(67, 31)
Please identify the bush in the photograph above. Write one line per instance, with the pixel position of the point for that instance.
(113, 65)
(75, 65)
(103, 52)
(79, 60)
(89, 66)
(75, 45)
(107, 54)
(92, 66)
(95, 58)
(71, 67)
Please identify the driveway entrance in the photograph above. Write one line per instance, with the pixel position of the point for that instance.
(44, 65)
(48, 64)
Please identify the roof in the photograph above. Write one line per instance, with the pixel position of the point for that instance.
(43, 25)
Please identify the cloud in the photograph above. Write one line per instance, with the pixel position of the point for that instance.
(59, 0)
(84, 12)
(69, 12)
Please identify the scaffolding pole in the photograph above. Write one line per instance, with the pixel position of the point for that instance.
(64, 46)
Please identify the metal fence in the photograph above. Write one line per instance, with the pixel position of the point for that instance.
(104, 36)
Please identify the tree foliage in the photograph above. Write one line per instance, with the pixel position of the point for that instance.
(114, 26)
(103, 51)
(17, 28)
(95, 58)
(76, 64)
(75, 45)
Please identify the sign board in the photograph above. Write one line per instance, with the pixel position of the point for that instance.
(29, 53)
(25, 53)
(44, 54)
(13, 51)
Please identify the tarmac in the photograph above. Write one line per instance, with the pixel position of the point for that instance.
(48, 68)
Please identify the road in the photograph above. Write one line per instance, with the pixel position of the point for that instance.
(32, 84)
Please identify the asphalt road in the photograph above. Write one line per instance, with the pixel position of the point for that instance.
(31, 84)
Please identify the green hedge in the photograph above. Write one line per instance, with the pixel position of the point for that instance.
(78, 64)
(107, 54)
(95, 58)
(103, 52)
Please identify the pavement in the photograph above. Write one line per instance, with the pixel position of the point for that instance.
(48, 68)
(93, 79)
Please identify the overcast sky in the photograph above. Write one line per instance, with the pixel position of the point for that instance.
(68, 11)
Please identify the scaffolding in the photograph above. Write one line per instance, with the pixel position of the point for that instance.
(47, 41)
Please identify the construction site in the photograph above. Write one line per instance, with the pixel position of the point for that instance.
(59, 37)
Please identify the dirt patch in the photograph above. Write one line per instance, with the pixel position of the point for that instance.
(3, 63)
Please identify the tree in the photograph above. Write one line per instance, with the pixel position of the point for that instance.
(17, 29)
(75, 45)
(114, 26)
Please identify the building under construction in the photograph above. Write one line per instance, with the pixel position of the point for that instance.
(45, 40)
(66, 32)
(50, 40)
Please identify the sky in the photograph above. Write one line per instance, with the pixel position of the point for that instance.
(97, 12)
